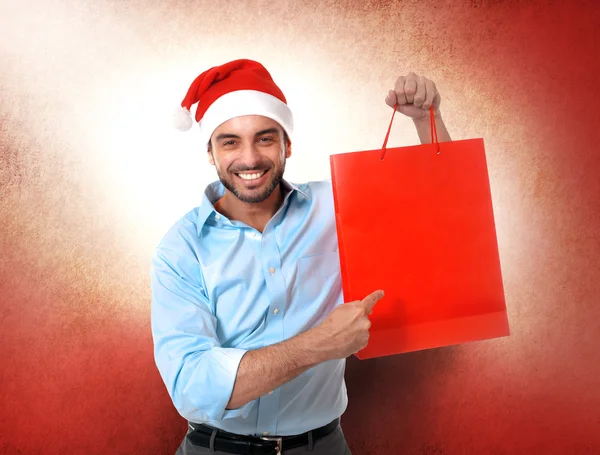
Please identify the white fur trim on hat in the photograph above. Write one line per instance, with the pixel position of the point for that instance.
(245, 102)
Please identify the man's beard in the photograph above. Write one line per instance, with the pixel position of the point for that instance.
(253, 198)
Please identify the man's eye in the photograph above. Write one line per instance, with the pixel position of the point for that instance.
(266, 139)
(229, 142)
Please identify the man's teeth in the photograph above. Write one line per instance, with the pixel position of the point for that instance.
(252, 176)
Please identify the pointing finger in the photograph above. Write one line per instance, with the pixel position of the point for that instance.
(369, 301)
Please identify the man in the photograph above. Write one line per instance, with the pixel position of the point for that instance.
(249, 328)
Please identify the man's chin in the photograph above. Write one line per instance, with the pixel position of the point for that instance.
(252, 198)
(249, 194)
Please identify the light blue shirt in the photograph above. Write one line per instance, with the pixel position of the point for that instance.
(221, 288)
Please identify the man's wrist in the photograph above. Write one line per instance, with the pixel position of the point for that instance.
(314, 345)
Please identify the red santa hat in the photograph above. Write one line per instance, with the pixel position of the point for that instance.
(240, 87)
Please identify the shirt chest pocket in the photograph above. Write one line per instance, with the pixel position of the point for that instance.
(319, 279)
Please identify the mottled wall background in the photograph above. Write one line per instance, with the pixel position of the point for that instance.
(91, 176)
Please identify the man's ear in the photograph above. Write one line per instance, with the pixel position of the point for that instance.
(288, 148)
(211, 158)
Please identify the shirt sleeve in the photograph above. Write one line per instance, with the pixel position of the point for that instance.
(198, 372)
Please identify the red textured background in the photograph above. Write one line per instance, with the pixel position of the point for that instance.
(77, 373)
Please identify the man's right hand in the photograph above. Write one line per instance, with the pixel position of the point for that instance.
(346, 329)
(344, 332)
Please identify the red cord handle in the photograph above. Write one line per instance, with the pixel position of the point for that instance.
(434, 137)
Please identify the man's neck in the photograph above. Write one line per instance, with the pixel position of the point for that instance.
(256, 215)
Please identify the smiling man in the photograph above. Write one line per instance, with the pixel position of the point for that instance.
(249, 328)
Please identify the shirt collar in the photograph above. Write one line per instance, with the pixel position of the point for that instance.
(216, 191)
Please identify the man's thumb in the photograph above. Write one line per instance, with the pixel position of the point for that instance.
(391, 99)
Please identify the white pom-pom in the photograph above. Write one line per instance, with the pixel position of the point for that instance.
(182, 119)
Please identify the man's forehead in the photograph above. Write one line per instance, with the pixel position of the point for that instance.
(247, 124)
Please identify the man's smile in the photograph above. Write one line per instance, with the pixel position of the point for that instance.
(254, 175)
(253, 179)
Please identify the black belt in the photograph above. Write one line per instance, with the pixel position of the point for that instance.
(254, 445)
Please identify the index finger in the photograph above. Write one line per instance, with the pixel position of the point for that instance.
(369, 301)
(399, 90)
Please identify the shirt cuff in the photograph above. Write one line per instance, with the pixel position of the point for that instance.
(227, 361)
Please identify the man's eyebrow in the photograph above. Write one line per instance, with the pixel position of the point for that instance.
(267, 131)
(222, 136)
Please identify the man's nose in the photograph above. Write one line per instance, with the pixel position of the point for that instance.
(250, 155)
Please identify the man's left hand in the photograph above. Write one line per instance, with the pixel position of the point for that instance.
(414, 95)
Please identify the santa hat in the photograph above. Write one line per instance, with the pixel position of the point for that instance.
(240, 87)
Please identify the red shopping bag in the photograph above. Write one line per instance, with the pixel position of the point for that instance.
(418, 223)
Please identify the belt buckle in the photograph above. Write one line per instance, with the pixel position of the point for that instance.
(277, 440)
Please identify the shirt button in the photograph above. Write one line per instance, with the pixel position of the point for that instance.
(254, 234)
(272, 270)
(276, 310)
(270, 392)
(217, 216)
(265, 433)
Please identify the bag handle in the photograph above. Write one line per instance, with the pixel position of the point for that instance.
(434, 137)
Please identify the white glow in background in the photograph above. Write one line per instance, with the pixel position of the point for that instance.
(108, 82)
